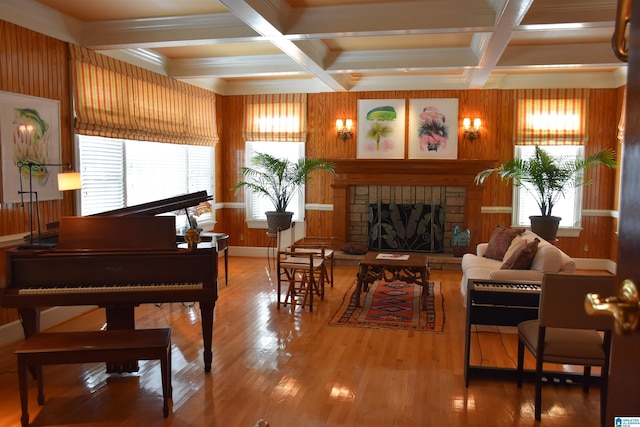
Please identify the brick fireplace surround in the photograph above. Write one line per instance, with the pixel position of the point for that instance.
(391, 172)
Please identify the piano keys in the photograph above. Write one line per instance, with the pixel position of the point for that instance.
(116, 263)
(151, 287)
(492, 286)
(506, 295)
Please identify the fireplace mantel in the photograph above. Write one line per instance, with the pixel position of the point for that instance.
(407, 172)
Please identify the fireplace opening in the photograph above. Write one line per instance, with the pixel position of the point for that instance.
(439, 208)
(414, 227)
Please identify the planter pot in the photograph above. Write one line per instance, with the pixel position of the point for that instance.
(278, 220)
(545, 226)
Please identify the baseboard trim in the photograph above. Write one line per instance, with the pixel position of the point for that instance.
(595, 264)
(11, 332)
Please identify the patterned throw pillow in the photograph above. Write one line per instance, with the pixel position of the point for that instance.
(522, 255)
(500, 241)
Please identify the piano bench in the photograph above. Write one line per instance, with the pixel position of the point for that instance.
(57, 348)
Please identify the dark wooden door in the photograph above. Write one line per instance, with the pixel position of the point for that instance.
(624, 379)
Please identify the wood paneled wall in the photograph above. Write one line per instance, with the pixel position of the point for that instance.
(495, 107)
(36, 65)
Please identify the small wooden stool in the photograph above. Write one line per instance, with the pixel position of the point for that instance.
(57, 348)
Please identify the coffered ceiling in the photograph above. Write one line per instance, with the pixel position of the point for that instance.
(269, 46)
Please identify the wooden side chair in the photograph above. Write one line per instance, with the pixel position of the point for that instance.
(565, 334)
(302, 272)
(326, 243)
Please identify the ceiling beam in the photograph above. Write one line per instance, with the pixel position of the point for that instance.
(269, 22)
(508, 18)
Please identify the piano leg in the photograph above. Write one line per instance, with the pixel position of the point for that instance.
(30, 317)
(121, 317)
(206, 315)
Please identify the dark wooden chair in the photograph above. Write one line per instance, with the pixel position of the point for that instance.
(565, 334)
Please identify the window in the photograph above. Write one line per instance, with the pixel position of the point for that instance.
(274, 124)
(257, 205)
(556, 120)
(117, 173)
(569, 207)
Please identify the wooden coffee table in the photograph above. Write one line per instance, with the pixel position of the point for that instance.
(410, 268)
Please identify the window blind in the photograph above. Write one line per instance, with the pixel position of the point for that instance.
(119, 173)
(102, 170)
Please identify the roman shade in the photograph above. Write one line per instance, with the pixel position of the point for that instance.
(118, 100)
(275, 117)
(551, 116)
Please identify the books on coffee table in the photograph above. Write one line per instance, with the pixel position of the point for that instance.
(397, 257)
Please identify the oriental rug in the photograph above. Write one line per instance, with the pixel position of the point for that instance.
(393, 305)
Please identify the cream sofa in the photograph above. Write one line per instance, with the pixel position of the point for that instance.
(548, 259)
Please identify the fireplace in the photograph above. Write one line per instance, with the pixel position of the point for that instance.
(411, 218)
(408, 227)
(453, 177)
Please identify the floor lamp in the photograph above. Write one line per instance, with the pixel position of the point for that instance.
(66, 181)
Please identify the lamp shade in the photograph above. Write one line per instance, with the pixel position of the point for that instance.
(69, 181)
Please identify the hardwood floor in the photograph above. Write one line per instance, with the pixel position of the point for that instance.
(292, 369)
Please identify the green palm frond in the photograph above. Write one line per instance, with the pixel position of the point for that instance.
(280, 179)
(547, 177)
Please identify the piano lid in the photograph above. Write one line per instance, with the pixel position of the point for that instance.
(161, 206)
(145, 209)
(117, 233)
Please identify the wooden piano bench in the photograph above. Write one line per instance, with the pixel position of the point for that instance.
(57, 348)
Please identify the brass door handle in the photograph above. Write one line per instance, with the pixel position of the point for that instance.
(624, 308)
(619, 41)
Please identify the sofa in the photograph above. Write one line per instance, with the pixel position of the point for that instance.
(543, 258)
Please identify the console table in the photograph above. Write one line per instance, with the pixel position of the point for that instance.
(410, 268)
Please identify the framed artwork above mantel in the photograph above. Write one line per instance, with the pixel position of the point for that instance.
(381, 124)
(433, 128)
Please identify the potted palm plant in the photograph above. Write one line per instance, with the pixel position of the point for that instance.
(279, 180)
(546, 178)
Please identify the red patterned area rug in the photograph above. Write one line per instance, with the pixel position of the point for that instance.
(393, 305)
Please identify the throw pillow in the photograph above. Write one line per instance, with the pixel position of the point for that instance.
(522, 256)
(500, 240)
(549, 259)
(515, 244)
(355, 248)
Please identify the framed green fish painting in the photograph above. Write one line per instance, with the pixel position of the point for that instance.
(381, 124)
(30, 135)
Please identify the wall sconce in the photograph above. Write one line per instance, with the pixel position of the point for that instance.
(66, 181)
(471, 132)
(344, 129)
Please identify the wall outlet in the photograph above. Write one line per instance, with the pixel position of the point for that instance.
(586, 248)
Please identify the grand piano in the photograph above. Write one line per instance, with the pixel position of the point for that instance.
(116, 260)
